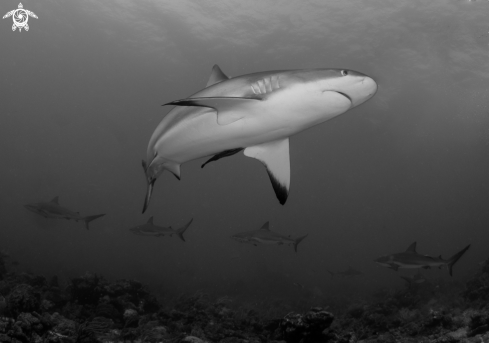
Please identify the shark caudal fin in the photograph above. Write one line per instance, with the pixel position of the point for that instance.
(88, 219)
(297, 241)
(452, 260)
(180, 231)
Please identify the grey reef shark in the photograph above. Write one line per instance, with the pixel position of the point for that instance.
(347, 273)
(256, 113)
(52, 209)
(149, 229)
(265, 236)
(411, 259)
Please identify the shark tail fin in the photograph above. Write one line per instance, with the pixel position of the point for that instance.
(180, 231)
(455, 258)
(88, 219)
(297, 241)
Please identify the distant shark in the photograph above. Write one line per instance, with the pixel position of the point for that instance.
(411, 259)
(347, 273)
(52, 209)
(256, 113)
(149, 229)
(265, 236)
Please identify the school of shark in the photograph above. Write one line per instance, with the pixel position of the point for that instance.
(257, 114)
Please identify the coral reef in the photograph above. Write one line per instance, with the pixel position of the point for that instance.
(92, 309)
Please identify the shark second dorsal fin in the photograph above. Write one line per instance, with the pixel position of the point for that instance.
(216, 76)
(412, 248)
(275, 156)
(55, 200)
(265, 227)
(150, 220)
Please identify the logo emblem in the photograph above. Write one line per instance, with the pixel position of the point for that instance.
(20, 17)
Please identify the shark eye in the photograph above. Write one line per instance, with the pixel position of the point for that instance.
(344, 72)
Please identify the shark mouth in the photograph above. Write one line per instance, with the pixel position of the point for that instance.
(346, 96)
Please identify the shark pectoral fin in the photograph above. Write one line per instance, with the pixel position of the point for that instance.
(227, 108)
(216, 76)
(275, 156)
(55, 200)
(150, 220)
(222, 154)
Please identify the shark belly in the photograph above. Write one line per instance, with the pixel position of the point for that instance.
(189, 133)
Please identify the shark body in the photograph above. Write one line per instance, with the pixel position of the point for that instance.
(149, 229)
(256, 113)
(411, 259)
(265, 236)
(347, 273)
(52, 209)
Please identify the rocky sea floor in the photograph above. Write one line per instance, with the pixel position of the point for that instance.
(92, 309)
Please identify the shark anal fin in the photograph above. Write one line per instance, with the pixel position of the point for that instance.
(216, 76)
(222, 154)
(275, 156)
(227, 108)
(265, 226)
(150, 220)
(55, 200)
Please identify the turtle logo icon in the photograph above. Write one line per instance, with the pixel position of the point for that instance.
(20, 17)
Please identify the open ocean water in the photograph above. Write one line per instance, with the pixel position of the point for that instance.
(81, 95)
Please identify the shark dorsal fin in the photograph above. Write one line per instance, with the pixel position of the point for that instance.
(150, 220)
(55, 200)
(216, 76)
(412, 248)
(265, 227)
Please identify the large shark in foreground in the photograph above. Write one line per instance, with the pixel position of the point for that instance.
(265, 236)
(52, 209)
(256, 113)
(411, 259)
(149, 229)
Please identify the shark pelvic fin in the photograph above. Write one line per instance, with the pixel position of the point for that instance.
(227, 108)
(412, 248)
(174, 168)
(55, 200)
(275, 156)
(216, 76)
(265, 227)
(150, 220)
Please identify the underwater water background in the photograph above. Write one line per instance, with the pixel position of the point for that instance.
(81, 93)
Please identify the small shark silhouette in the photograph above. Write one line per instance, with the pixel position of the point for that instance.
(411, 259)
(149, 229)
(256, 113)
(347, 273)
(265, 236)
(52, 209)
